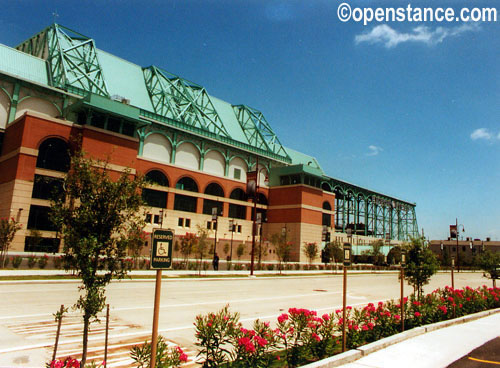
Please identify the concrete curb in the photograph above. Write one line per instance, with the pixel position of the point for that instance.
(355, 354)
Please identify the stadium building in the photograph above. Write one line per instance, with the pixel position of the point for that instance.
(196, 149)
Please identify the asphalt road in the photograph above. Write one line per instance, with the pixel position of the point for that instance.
(26, 309)
(487, 355)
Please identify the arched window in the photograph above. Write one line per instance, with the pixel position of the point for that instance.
(236, 210)
(261, 199)
(326, 187)
(157, 177)
(238, 194)
(184, 202)
(53, 154)
(187, 183)
(327, 218)
(214, 189)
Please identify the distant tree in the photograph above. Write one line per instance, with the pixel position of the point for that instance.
(225, 249)
(394, 255)
(311, 251)
(282, 248)
(240, 250)
(262, 248)
(201, 246)
(420, 266)
(136, 240)
(376, 252)
(8, 229)
(188, 242)
(95, 213)
(490, 264)
(334, 251)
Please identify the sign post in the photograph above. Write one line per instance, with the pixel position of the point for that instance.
(402, 303)
(161, 258)
(347, 263)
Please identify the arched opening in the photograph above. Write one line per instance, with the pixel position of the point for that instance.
(37, 104)
(214, 163)
(215, 190)
(327, 218)
(157, 147)
(326, 187)
(238, 194)
(186, 183)
(187, 155)
(53, 154)
(184, 202)
(236, 210)
(157, 177)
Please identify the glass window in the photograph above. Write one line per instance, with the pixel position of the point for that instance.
(46, 187)
(128, 129)
(154, 198)
(237, 174)
(180, 222)
(237, 211)
(114, 124)
(39, 218)
(157, 177)
(187, 223)
(187, 184)
(185, 203)
(148, 218)
(46, 245)
(208, 204)
(53, 154)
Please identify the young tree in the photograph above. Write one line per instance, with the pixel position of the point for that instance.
(376, 252)
(188, 242)
(8, 228)
(282, 248)
(94, 215)
(420, 266)
(311, 251)
(262, 248)
(334, 251)
(240, 250)
(490, 264)
(201, 246)
(136, 240)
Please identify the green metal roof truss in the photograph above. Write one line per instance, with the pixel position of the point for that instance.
(71, 58)
(257, 130)
(178, 99)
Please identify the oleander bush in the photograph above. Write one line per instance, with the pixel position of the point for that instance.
(301, 336)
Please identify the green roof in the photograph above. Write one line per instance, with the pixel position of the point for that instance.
(23, 66)
(124, 79)
(301, 158)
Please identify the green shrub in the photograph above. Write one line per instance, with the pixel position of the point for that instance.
(31, 261)
(16, 261)
(42, 261)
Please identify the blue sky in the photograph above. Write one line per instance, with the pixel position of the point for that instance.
(408, 109)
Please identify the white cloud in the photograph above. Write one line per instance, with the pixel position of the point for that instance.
(485, 134)
(390, 37)
(374, 150)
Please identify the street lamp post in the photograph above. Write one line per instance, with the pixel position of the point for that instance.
(231, 229)
(347, 263)
(215, 219)
(402, 303)
(457, 232)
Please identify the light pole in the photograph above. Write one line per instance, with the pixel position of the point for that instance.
(254, 222)
(215, 219)
(347, 263)
(231, 229)
(457, 227)
(161, 219)
(402, 303)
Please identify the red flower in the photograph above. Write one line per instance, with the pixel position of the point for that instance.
(417, 314)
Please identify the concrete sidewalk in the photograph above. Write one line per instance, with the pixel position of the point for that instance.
(433, 346)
